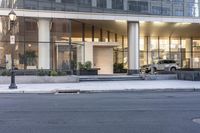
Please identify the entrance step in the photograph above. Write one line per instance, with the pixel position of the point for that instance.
(110, 78)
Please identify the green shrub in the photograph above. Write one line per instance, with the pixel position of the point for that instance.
(53, 73)
(61, 73)
(118, 67)
(5, 73)
(86, 66)
(42, 72)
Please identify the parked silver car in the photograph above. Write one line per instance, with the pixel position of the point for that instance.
(160, 65)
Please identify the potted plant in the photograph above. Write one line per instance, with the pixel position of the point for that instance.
(86, 69)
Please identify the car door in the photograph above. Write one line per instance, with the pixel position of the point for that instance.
(160, 65)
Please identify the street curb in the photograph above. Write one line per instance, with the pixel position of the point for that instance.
(77, 91)
(144, 90)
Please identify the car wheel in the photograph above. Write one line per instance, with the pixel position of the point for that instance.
(173, 69)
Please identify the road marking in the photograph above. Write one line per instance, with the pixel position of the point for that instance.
(196, 120)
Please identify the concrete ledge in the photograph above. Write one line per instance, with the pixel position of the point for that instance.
(160, 77)
(189, 75)
(40, 79)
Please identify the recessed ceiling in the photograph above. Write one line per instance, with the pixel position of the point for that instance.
(150, 28)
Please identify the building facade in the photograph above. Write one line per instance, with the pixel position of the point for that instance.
(58, 34)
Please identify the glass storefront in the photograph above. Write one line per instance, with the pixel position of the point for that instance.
(27, 44)
(185, 51)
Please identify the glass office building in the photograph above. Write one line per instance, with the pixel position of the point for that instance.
(131, 32)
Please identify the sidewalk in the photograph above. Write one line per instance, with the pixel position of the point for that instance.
(153, 85)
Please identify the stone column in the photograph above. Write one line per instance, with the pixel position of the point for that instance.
(133, 48)
(109, 4)
(44, 44)
(188, 46)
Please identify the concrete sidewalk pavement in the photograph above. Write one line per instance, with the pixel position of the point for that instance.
(107, 86)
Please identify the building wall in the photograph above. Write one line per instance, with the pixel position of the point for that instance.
(103, 59)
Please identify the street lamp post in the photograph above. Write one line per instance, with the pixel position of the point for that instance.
(12, 17)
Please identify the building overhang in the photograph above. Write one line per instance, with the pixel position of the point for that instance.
(98, 16)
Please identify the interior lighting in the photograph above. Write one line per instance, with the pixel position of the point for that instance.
(121, 21)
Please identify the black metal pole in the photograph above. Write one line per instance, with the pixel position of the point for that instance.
(12, 84)
(70, 46)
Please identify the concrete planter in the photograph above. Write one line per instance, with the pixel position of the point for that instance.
(88, 72)
(40, 79)
(189, 75)
(160, 77)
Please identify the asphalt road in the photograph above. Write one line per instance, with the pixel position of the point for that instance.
(136, 112)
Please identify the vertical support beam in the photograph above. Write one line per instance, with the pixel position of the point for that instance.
(44, 44)
(170, 47)
(147, 50)
(92, 33)
(70, 45)
(191, 65)
(108, 36)
(181, 58)
(123, 48)
(116, 39)
(158, 47)
(133, 48)
(125, 2)
(83, 32)
(109, 4)
(94, 3)
(101, 35)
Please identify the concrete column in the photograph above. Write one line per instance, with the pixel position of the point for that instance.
(94, 3)
(133, 48)
(88, 51)
(125, 5)
(44, 44)
(188, 46)
(145, 50)
(109, 4)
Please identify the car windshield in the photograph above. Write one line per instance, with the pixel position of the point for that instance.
(155, 61)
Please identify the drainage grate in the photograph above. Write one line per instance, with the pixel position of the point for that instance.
(196, 120)
(67, 92)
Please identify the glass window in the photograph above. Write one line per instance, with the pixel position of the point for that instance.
(117, 4)
(76, 31)
(143, 51)
(96, 34)
(196, 54)
(101, 3)
(156, 10)
(88, 33)
(176, 50)
(164, 47)
(153, 49)
(138, 6)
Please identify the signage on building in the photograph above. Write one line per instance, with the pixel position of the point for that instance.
(12, 39)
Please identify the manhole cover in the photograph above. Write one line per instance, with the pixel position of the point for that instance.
(196, 120)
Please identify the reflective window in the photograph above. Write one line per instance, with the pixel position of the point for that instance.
(138, 6)
(101, 3)
(117, 4)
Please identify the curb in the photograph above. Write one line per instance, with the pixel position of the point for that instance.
(77, 91)
(144, 90)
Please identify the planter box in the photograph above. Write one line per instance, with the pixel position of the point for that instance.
(189, 75)
(88, 72)
(39, 79)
